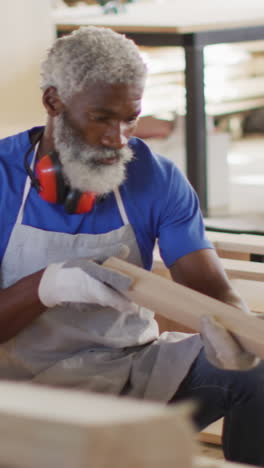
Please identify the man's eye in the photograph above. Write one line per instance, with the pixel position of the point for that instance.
(99, 118)
(132, 120)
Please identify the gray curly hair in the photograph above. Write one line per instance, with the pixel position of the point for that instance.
(91, 54)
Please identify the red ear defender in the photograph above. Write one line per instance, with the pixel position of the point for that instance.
(77, 202)
(53, 188)
(48, 174)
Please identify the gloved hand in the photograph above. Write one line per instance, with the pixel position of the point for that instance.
(222, 348)
(82, 280)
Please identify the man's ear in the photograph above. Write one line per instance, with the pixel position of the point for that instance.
(52, 102)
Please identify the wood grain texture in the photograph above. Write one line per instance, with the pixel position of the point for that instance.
(164, 323)
(235, 268)
(241, 269)
(245, 276)
(212, 434)
(42, 427)
(206, 462)
(186, 306)
(243, 243)
(252, 292)
(232, 254)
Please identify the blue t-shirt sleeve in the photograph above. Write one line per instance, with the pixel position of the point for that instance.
(181, 227)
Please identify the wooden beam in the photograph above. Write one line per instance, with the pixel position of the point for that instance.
(43, 427)
(206, 462)
(212, 434)
(252, 292)
(246, 243)
(186, 306)
(234, 268)
(241, 269)
(246, 278)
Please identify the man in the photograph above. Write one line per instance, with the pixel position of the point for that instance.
(82, 189)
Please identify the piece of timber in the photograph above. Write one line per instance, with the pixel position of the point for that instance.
(243, 243)
(206, 462)
(186, 306)
(243, 269)
(44, 427)
(212, 434)
(164, 323)
(234, 268)
(245, 276)
(252, 292)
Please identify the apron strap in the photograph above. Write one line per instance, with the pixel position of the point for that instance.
(121, 207)
(27, 188)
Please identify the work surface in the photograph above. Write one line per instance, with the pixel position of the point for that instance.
(167, 16)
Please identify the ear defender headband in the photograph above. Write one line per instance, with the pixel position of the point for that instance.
(50, 184)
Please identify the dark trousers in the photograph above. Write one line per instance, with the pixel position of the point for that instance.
(236, 395)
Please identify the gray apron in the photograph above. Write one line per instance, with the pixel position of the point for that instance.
(88, 346)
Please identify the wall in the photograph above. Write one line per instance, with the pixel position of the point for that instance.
(26, 32)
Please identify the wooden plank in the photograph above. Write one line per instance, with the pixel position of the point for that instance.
(249, 272)
(43, 427)
(170, 325)
(243, 269)
(187, 306)
(212, 434)
(206, 462)
(231, 254)
(164, 323)
(234, 268)
(247, 243)
(252, 292)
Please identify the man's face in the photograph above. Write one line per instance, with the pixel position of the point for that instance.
(91, 135)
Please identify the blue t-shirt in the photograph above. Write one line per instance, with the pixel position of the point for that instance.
(159, 202)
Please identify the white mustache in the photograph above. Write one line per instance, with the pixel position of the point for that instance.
(103, 154)
(81, 161)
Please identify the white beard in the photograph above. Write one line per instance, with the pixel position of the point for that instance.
(79, 159)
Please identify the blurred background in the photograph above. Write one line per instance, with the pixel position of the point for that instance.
(234, 91)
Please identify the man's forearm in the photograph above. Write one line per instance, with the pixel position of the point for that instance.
(20, 305)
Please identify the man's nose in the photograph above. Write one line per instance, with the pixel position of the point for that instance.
(115, 136)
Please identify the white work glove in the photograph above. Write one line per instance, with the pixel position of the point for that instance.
(222, 348)
(83, 281)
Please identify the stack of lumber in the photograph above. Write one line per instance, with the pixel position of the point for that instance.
(246, 276)
(233, 76)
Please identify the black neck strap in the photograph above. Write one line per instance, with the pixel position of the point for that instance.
(34, 138)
